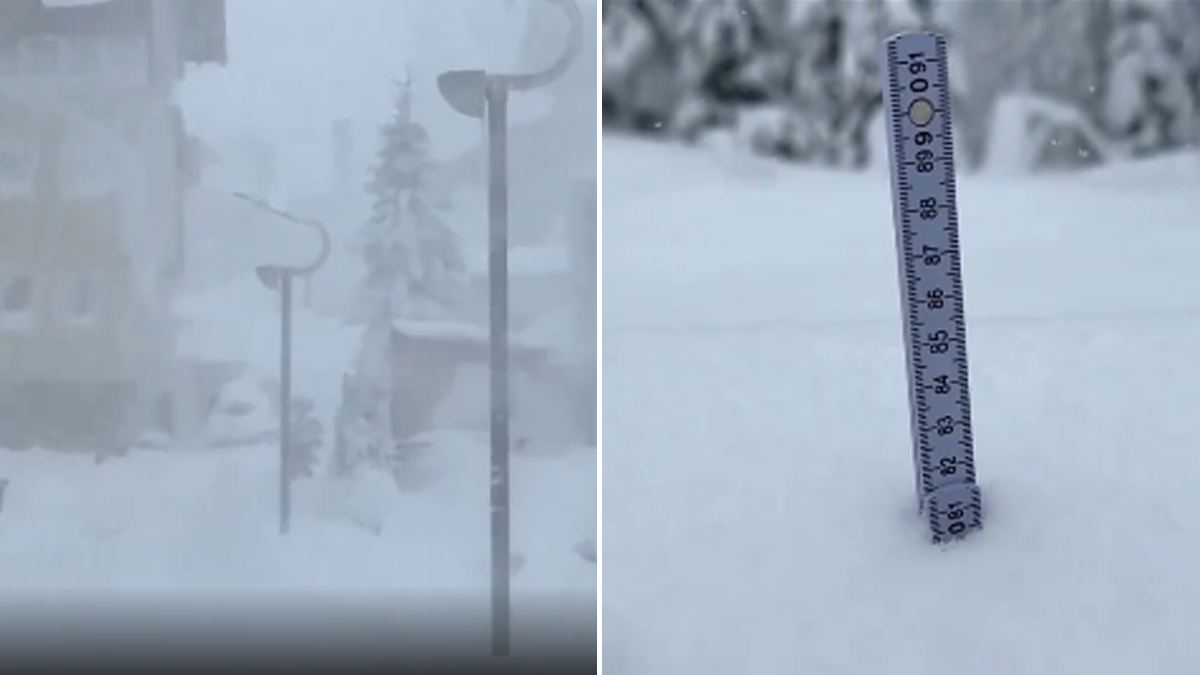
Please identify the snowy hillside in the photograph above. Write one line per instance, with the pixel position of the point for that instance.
(759, 514)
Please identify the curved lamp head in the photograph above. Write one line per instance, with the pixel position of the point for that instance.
(271, 276)
(465, 91)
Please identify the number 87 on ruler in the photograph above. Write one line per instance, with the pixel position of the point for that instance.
(921, 150)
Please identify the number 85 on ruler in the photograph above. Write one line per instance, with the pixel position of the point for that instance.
(921, 149)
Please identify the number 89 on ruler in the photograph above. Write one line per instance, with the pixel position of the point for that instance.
(925, 214)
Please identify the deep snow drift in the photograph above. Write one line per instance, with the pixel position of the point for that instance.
(759, 514)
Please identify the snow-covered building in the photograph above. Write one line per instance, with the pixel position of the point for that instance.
(92, 185)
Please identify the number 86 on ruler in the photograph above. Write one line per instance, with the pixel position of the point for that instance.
(925, 213)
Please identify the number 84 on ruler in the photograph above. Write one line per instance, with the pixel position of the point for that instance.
(921, 149)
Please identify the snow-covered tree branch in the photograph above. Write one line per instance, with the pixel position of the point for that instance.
(799, 80)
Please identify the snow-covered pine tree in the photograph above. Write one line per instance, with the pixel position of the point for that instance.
(414, 271)
(414, 263)
(644, 81)
(1150, 103)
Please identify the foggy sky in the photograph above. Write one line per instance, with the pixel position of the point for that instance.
(295, 66)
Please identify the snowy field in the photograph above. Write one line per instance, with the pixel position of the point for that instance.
(187, 520)
(186, 523)
(759, 513)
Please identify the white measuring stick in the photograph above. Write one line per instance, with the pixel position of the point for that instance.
(921, 149)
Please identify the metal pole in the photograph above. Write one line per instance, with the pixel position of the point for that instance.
(280, 277)
(585, 240)
(285, 403)
(497, 114)
(476, 94)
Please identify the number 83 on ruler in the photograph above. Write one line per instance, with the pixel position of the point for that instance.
(921, 149)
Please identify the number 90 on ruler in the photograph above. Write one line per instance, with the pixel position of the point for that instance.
(925, 214)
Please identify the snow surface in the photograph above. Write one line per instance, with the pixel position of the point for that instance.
(183, 520)
(759, 507)
(188, 521)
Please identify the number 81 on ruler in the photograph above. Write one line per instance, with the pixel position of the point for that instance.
(925, 213)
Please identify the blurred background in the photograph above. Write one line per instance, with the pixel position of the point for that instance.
(1038, 83)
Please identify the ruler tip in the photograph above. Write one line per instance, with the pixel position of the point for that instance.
(914, 36)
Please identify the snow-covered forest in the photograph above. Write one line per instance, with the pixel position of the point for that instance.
(1079, 83)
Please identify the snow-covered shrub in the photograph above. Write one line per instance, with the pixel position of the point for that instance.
(1149, 102)
(307, 438)
(1030, 133)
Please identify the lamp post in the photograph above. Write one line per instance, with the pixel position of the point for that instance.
(279, 278)
(478, 94)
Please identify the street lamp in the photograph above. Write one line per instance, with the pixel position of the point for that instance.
(279, 278)
(478, 94)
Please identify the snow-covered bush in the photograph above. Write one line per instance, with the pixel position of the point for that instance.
(243, 414)
(307, 439)
(1030, 133)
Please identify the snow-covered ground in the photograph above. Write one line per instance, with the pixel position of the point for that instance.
(186, 520)
(191, 524)
(136, 521)
(759, 513)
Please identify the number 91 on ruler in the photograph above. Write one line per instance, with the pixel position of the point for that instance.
(925, 214)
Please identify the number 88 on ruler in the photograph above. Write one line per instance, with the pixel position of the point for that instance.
(921, 150)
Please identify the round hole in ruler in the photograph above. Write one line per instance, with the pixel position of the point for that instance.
(920, 112)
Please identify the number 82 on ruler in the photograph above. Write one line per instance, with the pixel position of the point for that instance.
(925, 213)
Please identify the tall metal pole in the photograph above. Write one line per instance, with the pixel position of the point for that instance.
(285, 404)
(497, 114)
(476, 94)
(280, 277)
(584, 243)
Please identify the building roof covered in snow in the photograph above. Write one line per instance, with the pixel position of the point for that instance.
(199, 24)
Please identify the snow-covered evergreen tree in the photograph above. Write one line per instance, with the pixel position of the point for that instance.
(1150, 102)
(414, 263)
(414, 271)
(794, 80)
(1095, 81)
(644, 79)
